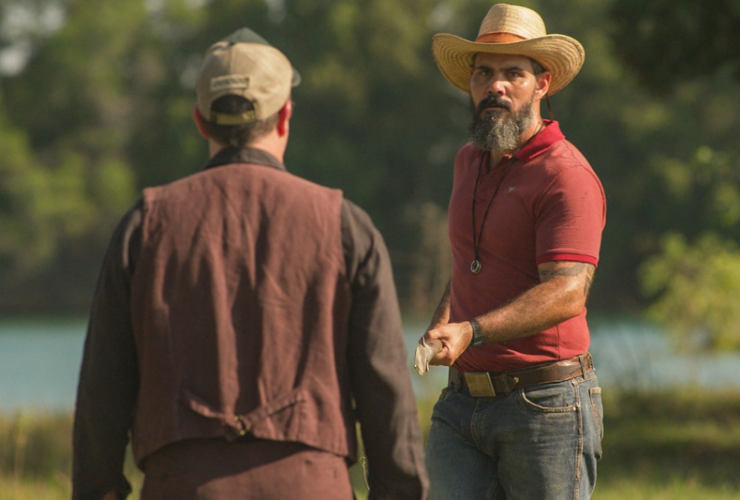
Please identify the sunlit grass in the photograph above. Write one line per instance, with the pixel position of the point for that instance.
(35, 488)
(662, 446)
(677, 488)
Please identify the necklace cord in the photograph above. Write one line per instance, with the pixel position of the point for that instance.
(477, 238)
(486, 156)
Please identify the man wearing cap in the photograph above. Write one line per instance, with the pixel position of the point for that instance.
(521, 417)
(244, 320)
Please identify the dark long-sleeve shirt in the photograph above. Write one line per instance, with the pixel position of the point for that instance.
(379, 375)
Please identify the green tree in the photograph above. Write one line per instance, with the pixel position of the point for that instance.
(696, 288)
(25, 240)
(665, 42)
(102, 108)
(71, 100)
(687, 52)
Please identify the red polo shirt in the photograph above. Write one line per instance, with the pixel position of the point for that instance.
(550, 206)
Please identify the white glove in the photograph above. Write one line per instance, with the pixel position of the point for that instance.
(425, 351)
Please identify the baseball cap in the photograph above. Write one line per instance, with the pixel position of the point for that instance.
(245, 64)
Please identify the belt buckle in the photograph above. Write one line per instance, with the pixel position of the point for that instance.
(479, 384)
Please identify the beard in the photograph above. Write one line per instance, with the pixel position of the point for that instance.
(490, 131)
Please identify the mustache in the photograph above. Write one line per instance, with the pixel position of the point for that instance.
(492, 101)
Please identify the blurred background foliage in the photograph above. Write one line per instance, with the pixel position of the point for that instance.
(96, 98)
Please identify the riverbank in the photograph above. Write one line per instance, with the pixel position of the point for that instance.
(40, 361)
(665, 445)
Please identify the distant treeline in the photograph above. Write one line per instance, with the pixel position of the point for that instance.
(96, 99)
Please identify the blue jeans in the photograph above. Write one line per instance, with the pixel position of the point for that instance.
(537, 443)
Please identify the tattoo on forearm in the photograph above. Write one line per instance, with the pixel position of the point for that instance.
(588, 281)
(575, 269)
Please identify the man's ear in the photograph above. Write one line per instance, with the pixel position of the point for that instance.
(284, 118)
(543, 84)
(198, 119)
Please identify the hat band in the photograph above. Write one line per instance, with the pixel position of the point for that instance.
(499, 37)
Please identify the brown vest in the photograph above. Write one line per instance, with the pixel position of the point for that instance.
(240, 303)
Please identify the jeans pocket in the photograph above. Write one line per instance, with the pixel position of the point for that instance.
(550, 398)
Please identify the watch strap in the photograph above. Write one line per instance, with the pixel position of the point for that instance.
(478, 338)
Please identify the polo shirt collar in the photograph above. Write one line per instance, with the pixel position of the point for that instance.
(256, 156)
(541, 142)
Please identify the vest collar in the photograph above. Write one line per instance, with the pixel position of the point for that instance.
(231, 155)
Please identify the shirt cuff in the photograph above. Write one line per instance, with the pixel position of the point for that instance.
(571, 257)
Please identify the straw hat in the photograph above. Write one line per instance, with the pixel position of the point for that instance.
(509, 29)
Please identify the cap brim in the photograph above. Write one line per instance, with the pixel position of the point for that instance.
(561, 55)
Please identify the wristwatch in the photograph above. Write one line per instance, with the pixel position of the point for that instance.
(478, 338)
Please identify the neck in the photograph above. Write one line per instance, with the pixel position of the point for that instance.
(271, 143)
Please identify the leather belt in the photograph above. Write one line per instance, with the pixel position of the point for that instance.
(490, 384)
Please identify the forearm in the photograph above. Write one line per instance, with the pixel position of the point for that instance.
(379, 375)
(100, 437)
(108, 383)
(389, 422)
(441, 314)
(385, 403)
(532, 312)
(541, 307)
(560, 295)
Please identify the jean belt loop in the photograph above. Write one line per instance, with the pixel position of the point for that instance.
(505, 381)
(584, 364)
(454, 377)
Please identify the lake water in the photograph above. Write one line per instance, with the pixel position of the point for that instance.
(40, 361)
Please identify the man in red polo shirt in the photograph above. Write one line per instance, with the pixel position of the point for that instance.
(522, 416)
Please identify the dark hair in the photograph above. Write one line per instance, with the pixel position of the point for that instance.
(537, 68)
(238, 136)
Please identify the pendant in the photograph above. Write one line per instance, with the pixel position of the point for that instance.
(475, 266)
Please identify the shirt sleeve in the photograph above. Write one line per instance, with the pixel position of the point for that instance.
(108, 383)
(379, 373)
(571, 217)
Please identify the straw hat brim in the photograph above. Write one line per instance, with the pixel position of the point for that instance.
(561, 55)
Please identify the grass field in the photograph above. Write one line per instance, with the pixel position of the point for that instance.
(671, 446)
(659, 446)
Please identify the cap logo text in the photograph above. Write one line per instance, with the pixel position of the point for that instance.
(229, 82)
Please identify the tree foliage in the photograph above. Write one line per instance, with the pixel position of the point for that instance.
(668, 41)
(697, 288)
(100, 106)
(688, 52)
